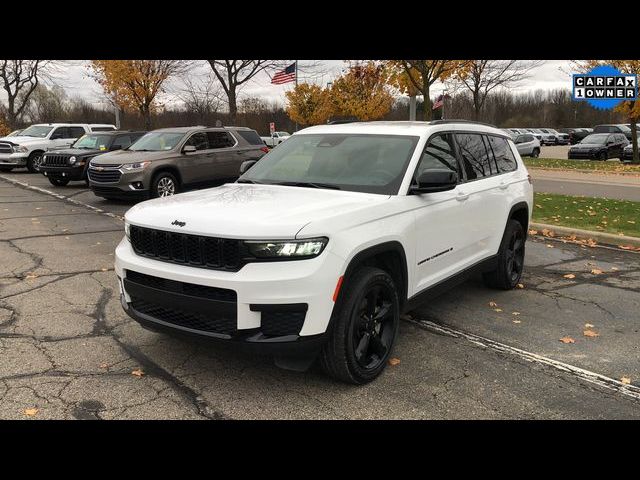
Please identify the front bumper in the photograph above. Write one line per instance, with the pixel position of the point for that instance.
(70, 172)
(13, 159)
(129, 184)
(582, 155)
(257, 288)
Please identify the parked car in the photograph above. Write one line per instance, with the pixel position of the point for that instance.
(26, 149)
(619, 128)
(627, 152)
(63, 166)
(276, 139)
(321, 245)
(546, 138)
(599, 146)
(575, 134)
(163, 162)
(560, 138)
(527, 145)
(534, 132)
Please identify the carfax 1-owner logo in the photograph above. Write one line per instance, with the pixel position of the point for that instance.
(605, 87)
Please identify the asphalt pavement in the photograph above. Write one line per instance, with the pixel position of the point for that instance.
(67, 350)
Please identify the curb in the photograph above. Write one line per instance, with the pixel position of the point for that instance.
(600, 237)
(586, 172)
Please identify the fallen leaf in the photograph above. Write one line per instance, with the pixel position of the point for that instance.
(588, 325)
(394, 361)
(138, 372)
(31, 412)
(596, 271)
(590, 333)
(549, 246)
(569, 275)
(31, 276)
(104, 365)
(533, 232)
(626, 380)
(498, 310)
(104, 269)
(614, 269)
(493, 304)
(517, 321)
(567, 340)
(520, 285)
(515, 313)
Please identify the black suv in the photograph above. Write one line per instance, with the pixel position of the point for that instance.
(620, 128)
(599, 146)
(65, 165)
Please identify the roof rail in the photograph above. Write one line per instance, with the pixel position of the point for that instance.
(443, 122)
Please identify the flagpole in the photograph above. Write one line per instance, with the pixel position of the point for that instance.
(296, 87)
(444, 94)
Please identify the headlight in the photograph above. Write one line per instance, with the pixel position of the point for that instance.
(127, 229)
(72, 160)
(20, 149)
(311, 247)
(136, 166)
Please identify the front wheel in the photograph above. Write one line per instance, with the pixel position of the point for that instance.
(535, 153)
(58, 182)
(603, 156)
(364, 328)
(510, 259)
(34, 161)
(164, 184)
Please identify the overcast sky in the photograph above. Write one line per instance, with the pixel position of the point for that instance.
(75, 80)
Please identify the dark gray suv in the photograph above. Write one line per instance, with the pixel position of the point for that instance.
(165, 161)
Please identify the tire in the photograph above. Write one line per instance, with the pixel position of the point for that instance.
(510, 258)
(369, 307)
(603, 156)
(535, 153)
(33, 162)
(5, 170)
(164, 184)
(58, 182)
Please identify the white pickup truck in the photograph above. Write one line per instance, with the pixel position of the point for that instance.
(27, 148)
(276, 139)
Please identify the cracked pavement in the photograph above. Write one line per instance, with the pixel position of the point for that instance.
(68, 350)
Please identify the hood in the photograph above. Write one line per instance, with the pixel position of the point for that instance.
(79, 152)
(588, 146)
(252, 211)
(20, 140)
(128, 156)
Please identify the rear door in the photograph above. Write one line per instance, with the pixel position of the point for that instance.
(223, 162)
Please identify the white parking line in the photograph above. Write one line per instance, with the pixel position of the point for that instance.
(586, 375)
(60, 197)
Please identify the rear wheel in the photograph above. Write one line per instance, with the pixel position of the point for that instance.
(364, 329)
(34, 161)
(510, 258)
(164, 184)
(58, 182)
(535, 153)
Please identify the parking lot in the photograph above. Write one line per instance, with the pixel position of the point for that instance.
(67, 350)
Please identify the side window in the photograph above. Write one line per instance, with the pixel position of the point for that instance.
(502, 152)
(439, 153)
(220, 140)
(475, 158)
(529, 138)
(123, 141)
(75, 132)
(58, 133)
(199, 140)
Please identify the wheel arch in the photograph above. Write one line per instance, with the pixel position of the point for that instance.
(167, 168)
(520, 213)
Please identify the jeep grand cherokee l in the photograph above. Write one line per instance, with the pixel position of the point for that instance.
(63, 166)
(317, 249)
(163, 162)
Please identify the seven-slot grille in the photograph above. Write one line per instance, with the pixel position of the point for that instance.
(110, 175)
(5, 148)
(193, 250)
(55, 160)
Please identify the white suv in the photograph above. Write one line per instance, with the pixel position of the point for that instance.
(320, 246)
(27, 148)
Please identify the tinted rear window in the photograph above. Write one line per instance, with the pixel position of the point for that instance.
(251, 136)
(503, 154)
(102, 129)
(475, 157)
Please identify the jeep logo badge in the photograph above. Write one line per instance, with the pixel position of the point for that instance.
(178, 223)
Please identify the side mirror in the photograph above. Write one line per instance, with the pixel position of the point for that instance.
(436, 180)
(610, 142)
(244, 166)
(188, 149)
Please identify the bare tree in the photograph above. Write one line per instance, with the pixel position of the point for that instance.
(204, 97)
(480, 77)
(20, 78)
(232, 74)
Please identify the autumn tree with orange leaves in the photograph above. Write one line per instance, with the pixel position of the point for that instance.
(630, 109)
(308, 104)
(135, 84)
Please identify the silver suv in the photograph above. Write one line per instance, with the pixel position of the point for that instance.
(163, 162)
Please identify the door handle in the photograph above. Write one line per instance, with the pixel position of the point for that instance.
(503, 185)
(461, 197)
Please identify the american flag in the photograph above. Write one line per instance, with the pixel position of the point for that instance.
(440, 101)
(285, 76)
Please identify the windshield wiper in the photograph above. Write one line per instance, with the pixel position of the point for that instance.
(309, 185)
(245, 180)
(143, 150)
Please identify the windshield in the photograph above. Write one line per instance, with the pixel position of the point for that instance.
(93, 142)
(598, 138)
(40, 131)
(359, 163)
(157, 142)
(624, 128)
